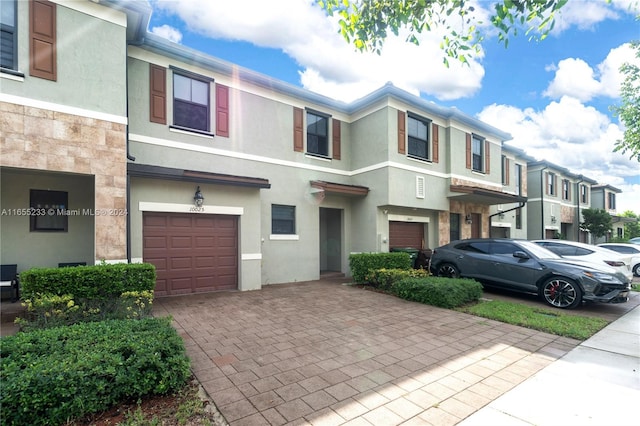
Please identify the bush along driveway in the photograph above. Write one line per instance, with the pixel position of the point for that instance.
(324, 351)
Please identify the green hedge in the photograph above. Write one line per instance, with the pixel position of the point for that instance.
(362, 263)
(89, 282)
(54, 375)
(438, 291)
(384, 279)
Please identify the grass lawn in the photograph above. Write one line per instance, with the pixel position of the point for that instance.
(549, 321)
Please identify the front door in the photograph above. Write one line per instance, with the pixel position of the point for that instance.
(330, 240)
(476, 225)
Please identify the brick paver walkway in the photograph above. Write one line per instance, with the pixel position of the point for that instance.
(323, 353)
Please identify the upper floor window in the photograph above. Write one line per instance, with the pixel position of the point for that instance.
(418, 133)
(283, 219)
(551, 183)
(611, 200)
(477, 153)
(317, 134)
(191, 105)
(584, 197)
(8, 35)
(518, 178)
(505, 170)
(566, 190)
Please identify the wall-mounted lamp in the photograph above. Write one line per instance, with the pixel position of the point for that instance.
(468, 219)
(385, 211)
(501, 215)
(553, 219)
(198, 198)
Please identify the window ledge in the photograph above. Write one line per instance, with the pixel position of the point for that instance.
(11, 74)
(420, 159)
(194, 132)
(284, 237)
(318, 156)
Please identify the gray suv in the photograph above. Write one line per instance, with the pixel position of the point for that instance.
(524, 266)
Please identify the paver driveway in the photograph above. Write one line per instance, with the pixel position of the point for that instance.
(326, 353)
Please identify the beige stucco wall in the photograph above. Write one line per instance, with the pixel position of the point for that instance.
(35, 138)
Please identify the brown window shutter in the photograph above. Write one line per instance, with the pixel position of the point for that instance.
(298, 141)
(336, 138)
(487, 157)
(42, 39)
(222, 110)
(468, 150)
(507, 165)
(157, 94)
(402, 131)
(434, 139)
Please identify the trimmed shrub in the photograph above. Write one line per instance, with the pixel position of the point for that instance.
(362, 263)
(384, 279)
(438, 291)
(89, 282)
(51, 310)
(59, 374)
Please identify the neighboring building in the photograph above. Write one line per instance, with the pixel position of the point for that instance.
(146, 150)
(510, 220)
(604, 197)
(557, 198)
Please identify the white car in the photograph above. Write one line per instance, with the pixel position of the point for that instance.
(589, 253)
(632, 250)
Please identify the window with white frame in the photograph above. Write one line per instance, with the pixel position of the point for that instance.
(518, 178)
(8, 35)
(477, 153)
(418, 135)
(611, 200)
(566, 191)
(283, 219)
(191, 102)
(551, 183)
(584, 197)
(317, 134)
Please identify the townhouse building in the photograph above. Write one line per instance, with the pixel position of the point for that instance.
(557, 198)
(604, 197)
(118, 145)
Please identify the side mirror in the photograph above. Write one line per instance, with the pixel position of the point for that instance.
(521, 255)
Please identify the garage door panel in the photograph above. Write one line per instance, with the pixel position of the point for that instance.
(192, 253)
(181, 263)
(201, 242)
(406, 234)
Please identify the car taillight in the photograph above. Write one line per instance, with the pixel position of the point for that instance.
(614, 263)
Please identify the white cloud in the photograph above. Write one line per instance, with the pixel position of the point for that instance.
(576, 78)
(585, 14)
(168, 32)
(575, 136)
(328, 64)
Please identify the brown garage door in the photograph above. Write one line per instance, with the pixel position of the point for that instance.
(406, 234)
(192, 253)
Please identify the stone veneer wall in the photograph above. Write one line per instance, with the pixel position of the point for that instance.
(40, 139)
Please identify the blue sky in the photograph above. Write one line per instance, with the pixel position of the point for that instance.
(552, 96)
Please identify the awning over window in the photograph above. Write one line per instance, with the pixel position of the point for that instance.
(340, 189)
(470, 194)
(144, 170)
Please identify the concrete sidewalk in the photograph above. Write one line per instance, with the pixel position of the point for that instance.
(596, 383)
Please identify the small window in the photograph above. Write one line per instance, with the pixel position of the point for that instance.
(48, 211)
(551, 183)
(611, 200)
(566, 192)
(191, 109)
(518, 179)
(477, 153)
(8, 35)
(283, 219)
(505, 170)
(583, 194)
(418, 132)
(454, 226)
(317, 134)
(518, 218)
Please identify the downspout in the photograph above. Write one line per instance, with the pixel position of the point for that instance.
(129, 156)
(577, 233)
(522, 204)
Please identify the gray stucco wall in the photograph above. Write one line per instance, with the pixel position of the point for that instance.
(91, 63)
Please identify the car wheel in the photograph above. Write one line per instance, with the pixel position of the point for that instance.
(636, 270)
(561, 292)
(448, 270)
